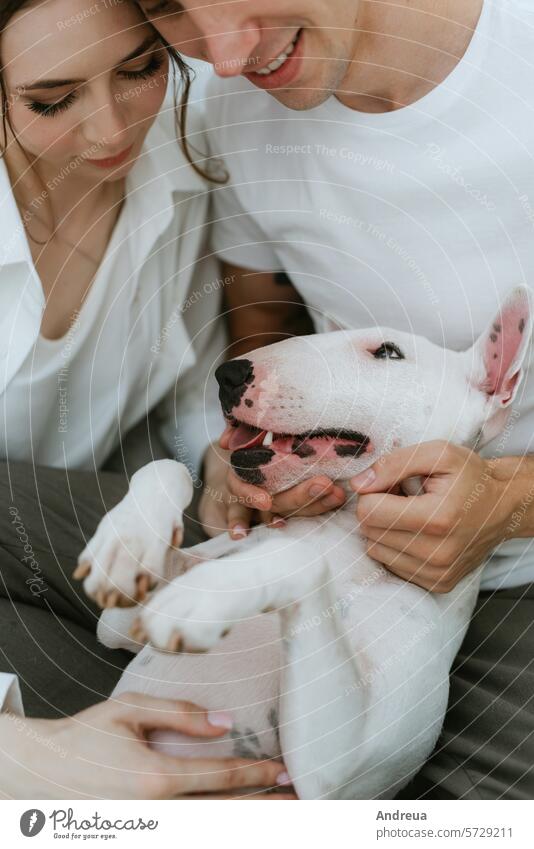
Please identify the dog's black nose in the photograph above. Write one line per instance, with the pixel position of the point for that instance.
(233, 378)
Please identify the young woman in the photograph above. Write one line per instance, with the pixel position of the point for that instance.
(109, 304)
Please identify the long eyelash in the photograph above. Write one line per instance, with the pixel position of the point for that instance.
(155, 65)
(48, 110)
(51, 109)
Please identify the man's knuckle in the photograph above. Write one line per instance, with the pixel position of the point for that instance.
(440, 559)
(439, 524)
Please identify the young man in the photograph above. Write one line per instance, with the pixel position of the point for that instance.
(380, 155)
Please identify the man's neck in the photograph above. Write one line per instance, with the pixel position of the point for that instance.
(404, 49)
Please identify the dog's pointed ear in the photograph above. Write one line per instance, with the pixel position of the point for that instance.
(497, 357)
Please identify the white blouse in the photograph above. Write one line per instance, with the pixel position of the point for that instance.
(146, 333)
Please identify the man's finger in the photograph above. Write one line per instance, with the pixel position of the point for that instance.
(254, 497)
(403, 565)
(214, 516)
(309, 498)
(412, 513)
(425, 459)
(238, 518)
(420, 545)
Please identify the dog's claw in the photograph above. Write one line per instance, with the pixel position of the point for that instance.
(177, 538)
(143, 587)
(112, 599)
(175, 643)
(138, 632)
(81, 571)
(125, 601)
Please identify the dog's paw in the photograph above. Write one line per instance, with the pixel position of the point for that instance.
(126, 558)
(192, 613)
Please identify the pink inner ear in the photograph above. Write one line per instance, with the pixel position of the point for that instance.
(500, 350)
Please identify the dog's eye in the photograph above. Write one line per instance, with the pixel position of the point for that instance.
(388, 351)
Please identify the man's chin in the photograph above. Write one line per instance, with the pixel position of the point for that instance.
(299, 101)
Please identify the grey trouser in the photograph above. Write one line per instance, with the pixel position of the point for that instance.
(47, 637)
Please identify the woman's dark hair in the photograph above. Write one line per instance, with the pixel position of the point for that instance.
(214, 171)
(8, 8)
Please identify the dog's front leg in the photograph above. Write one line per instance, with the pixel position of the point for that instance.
(196, 609)
(128, 554)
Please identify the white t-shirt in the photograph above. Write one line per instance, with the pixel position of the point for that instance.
(420, 219)
(146, 332)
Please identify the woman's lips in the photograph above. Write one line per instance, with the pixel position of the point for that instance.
(285, 75)
(112, 161)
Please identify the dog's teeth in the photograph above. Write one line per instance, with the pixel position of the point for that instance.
(268, 438)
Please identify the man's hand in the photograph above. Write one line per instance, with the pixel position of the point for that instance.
(102, 753)
(436, 538)
(228, 503)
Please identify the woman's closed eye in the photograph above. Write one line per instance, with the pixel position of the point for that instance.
(149, 69)
(155, 8)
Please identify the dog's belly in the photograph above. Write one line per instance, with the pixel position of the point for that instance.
(241, 676)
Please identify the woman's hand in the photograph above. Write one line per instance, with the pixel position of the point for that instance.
(228, 503)
(103, 753)
(436, 538)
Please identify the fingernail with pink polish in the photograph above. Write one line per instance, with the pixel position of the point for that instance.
(220, 719)
(283, 779)
(239, 531)
(316, 491)
(364, 479)
(332, 501)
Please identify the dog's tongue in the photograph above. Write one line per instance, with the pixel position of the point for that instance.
(241, 436)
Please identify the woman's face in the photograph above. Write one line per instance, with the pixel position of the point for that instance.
(84, 84)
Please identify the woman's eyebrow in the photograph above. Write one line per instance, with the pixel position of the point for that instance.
(59, 83)
(143, 47)
(158, 7)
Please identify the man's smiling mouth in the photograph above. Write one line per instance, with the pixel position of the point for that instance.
(283, 69)
(280, 60)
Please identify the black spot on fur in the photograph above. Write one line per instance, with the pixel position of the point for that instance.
(281, 279)
(233, 378)
(246, 462)
(248, 402)
(497, 327)
(521, 325)
(493, 337)
(302, 449)
(495, 356)
(350, 450)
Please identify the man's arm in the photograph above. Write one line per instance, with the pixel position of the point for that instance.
(262, 308)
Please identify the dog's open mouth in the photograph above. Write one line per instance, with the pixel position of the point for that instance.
(239, 436)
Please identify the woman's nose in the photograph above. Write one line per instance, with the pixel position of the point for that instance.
(105, 125)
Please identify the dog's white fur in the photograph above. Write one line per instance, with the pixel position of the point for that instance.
(352, 672)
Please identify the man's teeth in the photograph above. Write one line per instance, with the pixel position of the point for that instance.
(279, 61)
(268, 439)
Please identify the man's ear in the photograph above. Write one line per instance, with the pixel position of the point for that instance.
(497, 358)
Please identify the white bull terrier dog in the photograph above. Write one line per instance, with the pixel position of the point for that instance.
(345, 674)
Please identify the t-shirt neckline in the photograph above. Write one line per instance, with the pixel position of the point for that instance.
(434, 100)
